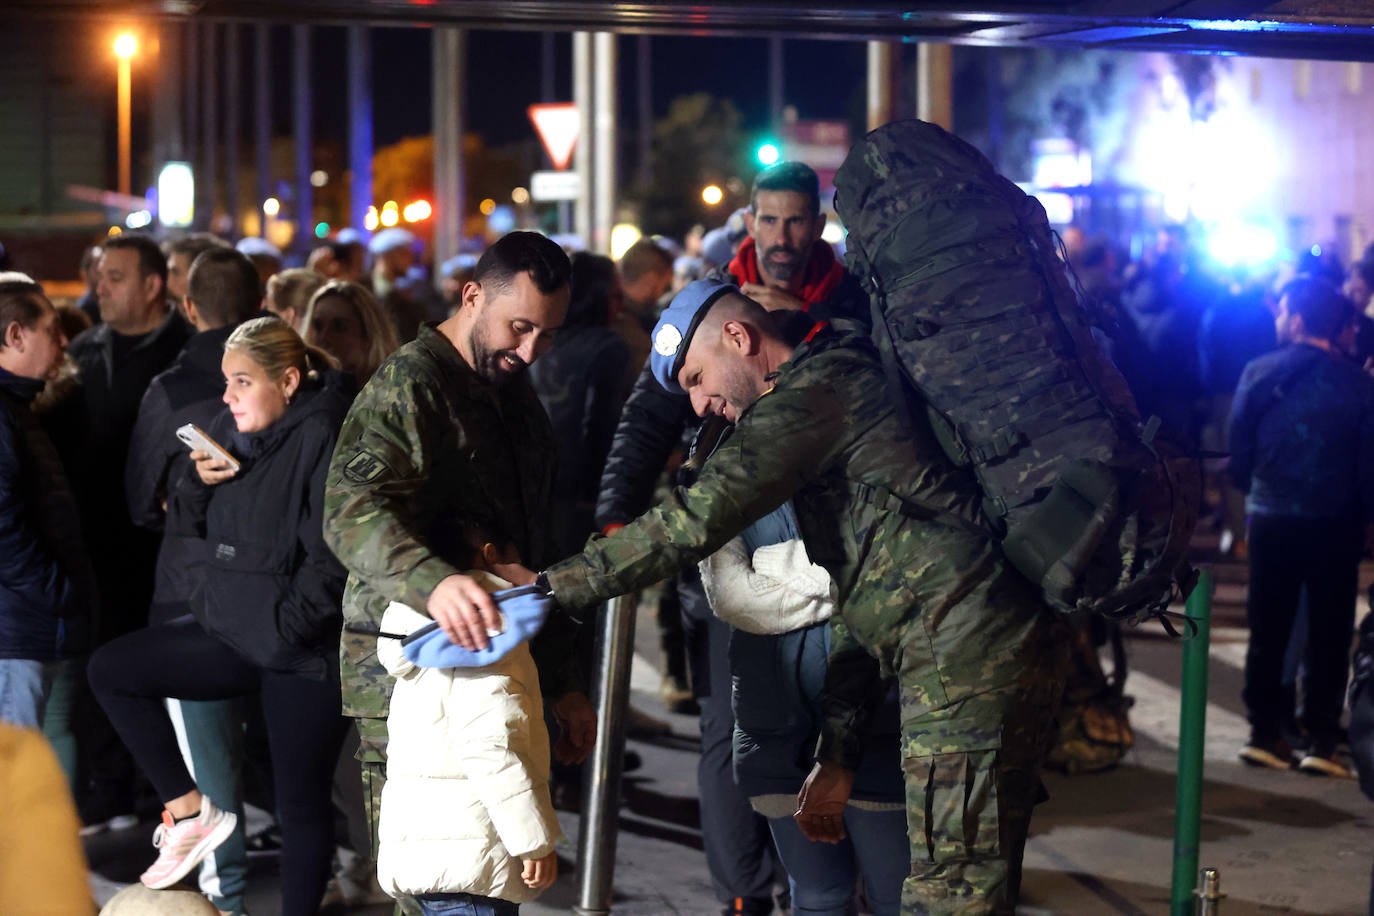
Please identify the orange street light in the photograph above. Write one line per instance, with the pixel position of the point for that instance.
(125, 47)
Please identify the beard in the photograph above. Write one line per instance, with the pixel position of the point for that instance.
(496, 367)
(781, 270)
(740, 390)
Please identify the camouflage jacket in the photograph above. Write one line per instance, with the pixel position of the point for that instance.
(879, 505)
(428, 451)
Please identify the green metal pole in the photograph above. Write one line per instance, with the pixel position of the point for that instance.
(1192, 723)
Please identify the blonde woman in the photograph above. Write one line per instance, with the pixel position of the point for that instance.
(344, 320)
(266, 611)
(289, 293)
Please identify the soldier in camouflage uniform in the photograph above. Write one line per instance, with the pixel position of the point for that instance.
(924, 591)
(448, 437)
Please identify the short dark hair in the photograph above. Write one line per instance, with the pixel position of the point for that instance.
(789, 176)
(644, 257)
(1325, 312)
(224, 286)
(151, 260)
(193, 245)
(524, 252)
(21, 301)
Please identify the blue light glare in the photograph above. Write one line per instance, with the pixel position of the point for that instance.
(1316, 251)
(1242, 244)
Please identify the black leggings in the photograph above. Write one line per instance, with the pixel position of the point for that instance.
(132, 674)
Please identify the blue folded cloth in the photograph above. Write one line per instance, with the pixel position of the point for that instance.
(523, 611)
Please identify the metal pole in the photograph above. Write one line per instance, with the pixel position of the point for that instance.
(262, 115)
(1192, 727)
(644, 117)
(448, 63)
(191, 78)
(1209, 895)
(879, 84)
(775, 83)
(209, 123)
(231, 125)
(582, 154)
(301, 115)
(125, 122)
(360, 125)
(934, 82)
(605, 148)
(167, 116)
(601, 791)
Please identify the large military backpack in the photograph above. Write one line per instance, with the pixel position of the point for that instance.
(973, 309)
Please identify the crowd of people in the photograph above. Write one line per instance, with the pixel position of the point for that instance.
(235, 494)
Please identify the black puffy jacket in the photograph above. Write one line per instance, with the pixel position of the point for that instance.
(189, 391)
(46, 588)
(265, 583)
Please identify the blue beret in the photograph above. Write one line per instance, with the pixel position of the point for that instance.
(523, 610)
(349, 236)
(716, 246)
(251, 245)
(456, 263)
(391, 239)
(677, 324)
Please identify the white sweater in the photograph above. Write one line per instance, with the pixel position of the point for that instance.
(777, 590)
(467, 794)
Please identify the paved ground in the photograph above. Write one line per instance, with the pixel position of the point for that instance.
(1284, 843)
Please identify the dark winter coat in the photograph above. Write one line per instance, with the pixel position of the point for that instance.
(265, 583)
(1302, 435)
(190, 391)
(580, 382)
(45, 578)
(112, 388)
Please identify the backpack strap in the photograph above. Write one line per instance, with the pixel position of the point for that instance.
(884, 499)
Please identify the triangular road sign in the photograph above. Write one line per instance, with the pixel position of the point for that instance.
(558, 125)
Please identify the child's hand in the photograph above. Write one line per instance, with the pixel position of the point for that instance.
(540, 873)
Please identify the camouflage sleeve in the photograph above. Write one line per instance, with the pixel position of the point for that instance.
(784, 440)
(853, 686)
(382, 460)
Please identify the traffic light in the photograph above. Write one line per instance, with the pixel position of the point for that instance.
(768, 153)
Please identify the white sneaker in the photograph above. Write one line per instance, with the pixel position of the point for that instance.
(183, 844)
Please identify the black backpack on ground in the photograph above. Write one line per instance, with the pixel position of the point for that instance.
(973, 309)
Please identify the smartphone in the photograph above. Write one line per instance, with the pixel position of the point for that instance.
(197, 440)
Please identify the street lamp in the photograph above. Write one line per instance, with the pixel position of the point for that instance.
(125, 47)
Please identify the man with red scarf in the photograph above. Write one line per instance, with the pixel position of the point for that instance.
(782, 265)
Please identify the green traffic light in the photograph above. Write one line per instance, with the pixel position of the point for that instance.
(768, 153)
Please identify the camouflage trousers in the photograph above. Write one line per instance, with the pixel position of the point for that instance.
(972, 779)
(372, 756)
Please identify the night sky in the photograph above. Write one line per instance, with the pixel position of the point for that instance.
(823, 79)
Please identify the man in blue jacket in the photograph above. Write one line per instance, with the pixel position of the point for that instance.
(1302, 446)
(44, 572)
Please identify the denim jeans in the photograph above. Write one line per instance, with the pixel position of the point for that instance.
(24, 686)
(465, 905)
(58, 711)
(821, 875)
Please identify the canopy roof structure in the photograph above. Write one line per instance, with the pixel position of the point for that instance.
(1316, 29)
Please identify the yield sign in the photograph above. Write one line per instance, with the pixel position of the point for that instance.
(558, 125)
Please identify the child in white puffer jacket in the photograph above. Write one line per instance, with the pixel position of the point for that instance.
(466, 813)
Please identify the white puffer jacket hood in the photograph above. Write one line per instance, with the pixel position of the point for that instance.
(467, 793)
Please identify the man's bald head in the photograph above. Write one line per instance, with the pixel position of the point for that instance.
(732, 307)
(733, 352)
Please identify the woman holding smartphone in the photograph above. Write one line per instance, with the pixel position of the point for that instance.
(266, 611)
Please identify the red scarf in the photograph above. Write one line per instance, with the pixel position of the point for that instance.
(822, 274)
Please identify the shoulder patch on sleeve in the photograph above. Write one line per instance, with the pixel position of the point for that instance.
(364, 467)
